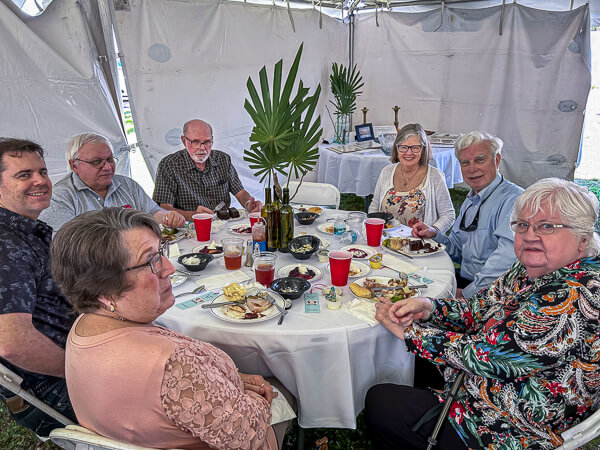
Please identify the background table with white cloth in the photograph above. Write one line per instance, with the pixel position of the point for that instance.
(358, 172)
(328, 360)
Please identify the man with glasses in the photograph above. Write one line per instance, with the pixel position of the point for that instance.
(198, 178)
(93, 184)
(35, 317)
(481, 240)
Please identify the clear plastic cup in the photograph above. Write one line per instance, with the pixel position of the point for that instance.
(232, 252)
(264, 267)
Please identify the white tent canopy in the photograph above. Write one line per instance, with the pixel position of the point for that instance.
(517, 72)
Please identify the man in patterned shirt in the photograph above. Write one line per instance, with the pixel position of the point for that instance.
(197, 178)
(92, 184)
(35, 317)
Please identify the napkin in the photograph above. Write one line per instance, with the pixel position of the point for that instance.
(280, 408)
(395, 263)
(174, 250)
(364, 310)
(219, 281)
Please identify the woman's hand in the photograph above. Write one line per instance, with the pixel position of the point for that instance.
(405, 312)
(382, 309)
(422, 230)
(258, 384)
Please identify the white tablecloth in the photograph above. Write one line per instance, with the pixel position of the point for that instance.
(358, 172)
(327, 360)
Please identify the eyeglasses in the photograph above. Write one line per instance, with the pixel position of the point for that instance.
(199, 144)
(99, 163)
(541, 229)
(412, 148)
(155, 261)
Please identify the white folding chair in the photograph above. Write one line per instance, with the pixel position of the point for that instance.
(319, 194)
(581, 433)
(12, 382)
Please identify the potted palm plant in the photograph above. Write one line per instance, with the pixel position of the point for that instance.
(345, 85)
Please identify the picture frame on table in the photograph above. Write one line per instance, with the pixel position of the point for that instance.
(364, 132)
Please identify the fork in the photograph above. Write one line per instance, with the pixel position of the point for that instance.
(195, 291)
(282, 312)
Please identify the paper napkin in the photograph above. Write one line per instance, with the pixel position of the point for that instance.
(363, 310)
(220, 281)
(280, 409)
(398, 264)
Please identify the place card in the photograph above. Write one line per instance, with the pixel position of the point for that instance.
(420, 279)
(206, 297)
(311, 303)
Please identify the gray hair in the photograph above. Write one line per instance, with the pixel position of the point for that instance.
(79, 140)
(89, 256)
(187, 124)
(412, 129)
(475, 137)
(576, 206)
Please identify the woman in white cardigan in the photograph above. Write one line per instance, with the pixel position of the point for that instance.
(412, 190)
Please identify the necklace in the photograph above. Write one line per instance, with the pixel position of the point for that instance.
(404, 180)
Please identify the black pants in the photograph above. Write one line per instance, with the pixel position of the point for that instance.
(55, 395)
(392, 410)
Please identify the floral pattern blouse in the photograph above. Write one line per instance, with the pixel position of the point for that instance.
(530, 350)
(407, 207)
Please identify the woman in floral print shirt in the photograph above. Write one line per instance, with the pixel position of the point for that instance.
(529, 344)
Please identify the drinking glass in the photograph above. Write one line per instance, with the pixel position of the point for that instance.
(264, 268)
(232, 252)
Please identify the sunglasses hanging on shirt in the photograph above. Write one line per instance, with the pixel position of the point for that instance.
(475, 221)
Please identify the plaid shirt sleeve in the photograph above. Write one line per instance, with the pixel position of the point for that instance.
(165, 187)
(235, 185)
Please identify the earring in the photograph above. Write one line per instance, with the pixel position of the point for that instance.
(112, 307)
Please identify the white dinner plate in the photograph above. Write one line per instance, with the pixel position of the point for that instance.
(284, 271)
(365, 269)
(406, 249)
(232, 229)
(381, 280)
(215, 255)
(243, 215)
(182, 233)
(306, 207)
(370, 251)
(327, 227)
(177, 279)
(267, 314)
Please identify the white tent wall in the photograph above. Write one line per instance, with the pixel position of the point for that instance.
(52, 84)
(466, 76)
(191, 59)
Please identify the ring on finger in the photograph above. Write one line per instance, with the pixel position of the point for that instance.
(262, 385)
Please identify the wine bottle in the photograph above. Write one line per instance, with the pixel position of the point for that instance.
(286, 222)
(269, 213)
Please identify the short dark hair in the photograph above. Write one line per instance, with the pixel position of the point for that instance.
(17, 146)
(89, 257)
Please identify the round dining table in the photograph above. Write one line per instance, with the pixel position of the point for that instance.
(327, 360)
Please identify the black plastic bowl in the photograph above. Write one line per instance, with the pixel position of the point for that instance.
(204, 260)
(381, 215)
(306, 218)
(300, 241)
(297, 287)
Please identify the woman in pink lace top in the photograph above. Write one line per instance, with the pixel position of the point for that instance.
(133, 381)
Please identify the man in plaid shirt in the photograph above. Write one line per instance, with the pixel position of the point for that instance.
(198, 178)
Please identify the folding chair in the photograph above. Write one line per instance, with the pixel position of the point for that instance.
(12, 382)
(581, 433)
(320, 194)
(75, 437)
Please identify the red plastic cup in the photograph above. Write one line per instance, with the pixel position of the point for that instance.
(253, 218)
(374, 229)
(339, 266)
(202, 223)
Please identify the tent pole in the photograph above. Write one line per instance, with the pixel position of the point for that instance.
(351, 18)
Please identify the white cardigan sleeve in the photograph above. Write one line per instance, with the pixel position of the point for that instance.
(439, 211)
(384, 183)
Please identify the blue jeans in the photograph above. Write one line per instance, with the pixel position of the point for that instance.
(54, 395)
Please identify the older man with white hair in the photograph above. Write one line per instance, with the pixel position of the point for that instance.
(92, 184)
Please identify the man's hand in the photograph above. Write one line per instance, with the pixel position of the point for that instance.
(172, 219)
(422, 230)
(258, 384)
(458, 293)
(253, 205)
(382, 309)
(203, 209)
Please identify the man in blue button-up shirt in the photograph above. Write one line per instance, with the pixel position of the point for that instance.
(481, 240)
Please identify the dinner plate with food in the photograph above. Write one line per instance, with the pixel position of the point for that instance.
(374, 287)
(308, 208)
(327, 228)
(177, 279)
(211, 249)
(251, 305)
(175, 234)
(231, 214)
(360, 251)
(242, 228)
(357, 269)
(412, 246)
(304, 271)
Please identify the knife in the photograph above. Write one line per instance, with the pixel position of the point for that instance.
(282, 311)
(400, 252)
(216, 305)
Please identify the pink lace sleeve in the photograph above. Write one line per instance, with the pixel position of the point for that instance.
(200, 396)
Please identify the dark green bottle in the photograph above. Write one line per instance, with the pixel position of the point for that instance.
(270, 214)
(286, 222)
